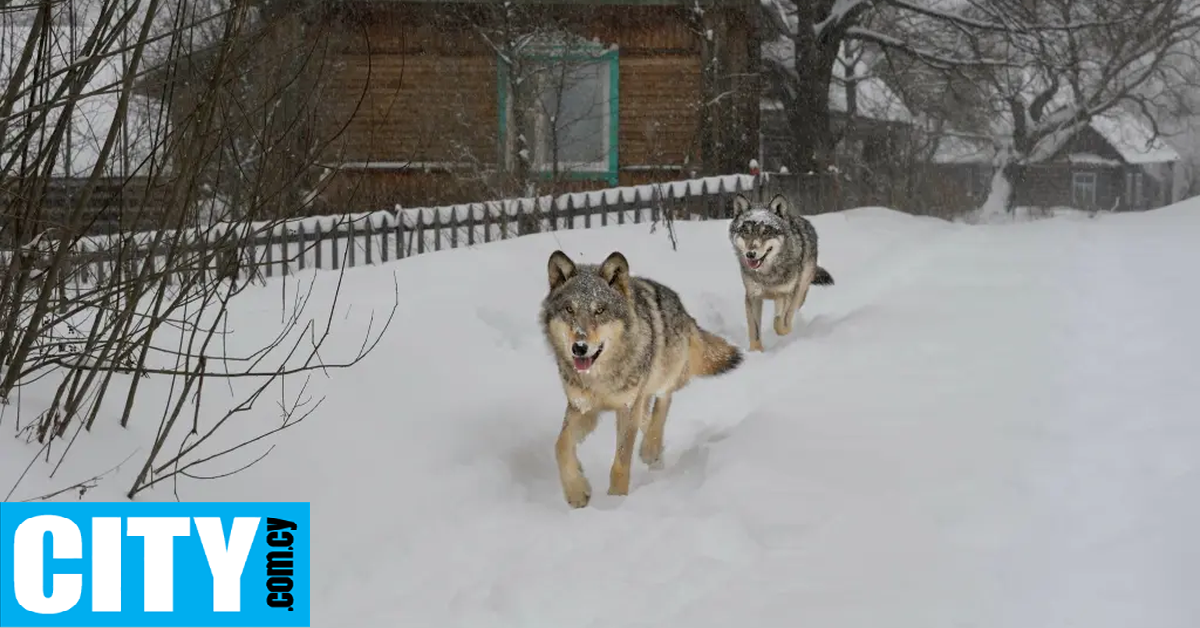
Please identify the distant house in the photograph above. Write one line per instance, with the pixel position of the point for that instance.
(1115, 163)
(868, 128)
(27, 187)
(422, 96)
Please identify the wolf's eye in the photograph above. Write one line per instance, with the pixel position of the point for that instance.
(599, 310)
(570, 310)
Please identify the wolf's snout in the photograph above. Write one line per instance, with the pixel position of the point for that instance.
(584, 355)
(754, 260)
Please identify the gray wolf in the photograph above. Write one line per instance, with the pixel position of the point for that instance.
(621, 342)
(777, 252)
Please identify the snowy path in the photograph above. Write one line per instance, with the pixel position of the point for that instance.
(985, 427)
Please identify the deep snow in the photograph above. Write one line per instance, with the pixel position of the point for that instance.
(985, 426)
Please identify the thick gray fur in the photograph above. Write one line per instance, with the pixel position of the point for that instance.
(639, 346)
(787, 245)
(654, 314)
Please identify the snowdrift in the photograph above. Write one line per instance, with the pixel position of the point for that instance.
(991, 426)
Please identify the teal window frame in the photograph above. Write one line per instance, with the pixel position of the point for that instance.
(592, 53)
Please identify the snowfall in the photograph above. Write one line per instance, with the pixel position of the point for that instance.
(986, 426)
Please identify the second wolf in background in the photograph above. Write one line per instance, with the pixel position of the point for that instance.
(777, 253)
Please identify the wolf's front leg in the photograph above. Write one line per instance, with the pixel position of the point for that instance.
(798, 297)
(576, 426)
(783, 309)
(754, 321)
(628, 420)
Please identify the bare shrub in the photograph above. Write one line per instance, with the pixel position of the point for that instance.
(200, 124)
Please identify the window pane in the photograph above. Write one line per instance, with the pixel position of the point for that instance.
(1083, 189)
(575, 98)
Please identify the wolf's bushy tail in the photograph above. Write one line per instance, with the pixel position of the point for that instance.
(712, 354)
(822, 277)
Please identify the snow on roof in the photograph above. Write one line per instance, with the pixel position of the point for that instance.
(963, 149)
(1132, 138)
(875, 99)
(1091, 159)
(1128, 135)
(94, 114)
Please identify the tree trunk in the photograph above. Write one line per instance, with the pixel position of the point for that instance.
(808, 115)
(730, 51)
(707, 132)
(520, 158)
(1002, 196)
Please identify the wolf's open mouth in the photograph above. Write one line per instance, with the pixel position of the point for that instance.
(586, 362)
(757, 262)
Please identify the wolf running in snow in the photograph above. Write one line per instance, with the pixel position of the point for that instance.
(777, 254)
(621, 343)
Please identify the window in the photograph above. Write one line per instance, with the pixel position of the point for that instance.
(1139, 196)
(570, 119)
(981, 181)
(1083, 190)
(1135, 193)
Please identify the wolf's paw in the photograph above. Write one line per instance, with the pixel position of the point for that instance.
(781, 326)
(618, 480)
(651, 454)
(578, 492)
(756, 345)
(618, 489)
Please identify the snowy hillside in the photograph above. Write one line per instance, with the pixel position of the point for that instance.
(993, 427)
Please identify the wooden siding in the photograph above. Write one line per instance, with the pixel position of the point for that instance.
(414, 88)
(659, 110)
(424, 108)
(382, 189)
(115, 204)
(417, 84)
(1050, 184)
(446, 29)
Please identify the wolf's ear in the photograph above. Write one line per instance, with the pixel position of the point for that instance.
(615, 270)
(560, 268)
(740, 204)
(780, 205)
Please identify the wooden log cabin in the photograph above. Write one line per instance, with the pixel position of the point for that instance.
(420, 102)
(1115, 163)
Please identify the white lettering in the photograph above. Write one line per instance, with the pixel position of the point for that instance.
(159, 568)
(28, 570)
(106, 564)
(227, 563)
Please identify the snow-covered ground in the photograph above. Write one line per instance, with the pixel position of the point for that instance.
(984, 426)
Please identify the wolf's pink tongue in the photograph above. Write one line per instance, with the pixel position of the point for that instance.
(754, 263)
(583, 364)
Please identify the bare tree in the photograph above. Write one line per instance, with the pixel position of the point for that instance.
(272, 131)
(1030, 51)
(160, 308)
(812, 34)
(1116, 54)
